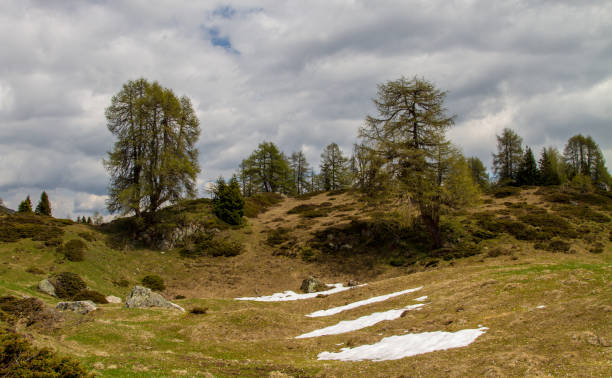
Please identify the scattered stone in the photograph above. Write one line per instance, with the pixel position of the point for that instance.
(82, 307)
(312, 285)
(113, 299)
(141, 297)
(352, 283)
(47, 287)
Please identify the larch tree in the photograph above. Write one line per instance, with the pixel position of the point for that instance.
(44, 206)
(334, 167)
(583, 157)
(478, 171)
(509, 156)
(409, 134)
(300, 167)
(266, 170)
(154, 160)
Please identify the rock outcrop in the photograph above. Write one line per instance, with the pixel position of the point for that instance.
(142, 297)
(47, 287)
(82, 307)
(113, 299)
(312, 285)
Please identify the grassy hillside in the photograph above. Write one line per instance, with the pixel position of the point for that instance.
(532, 265)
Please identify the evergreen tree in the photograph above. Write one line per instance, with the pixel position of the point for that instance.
(583, 157)
(43, 207)
(478, 172)
(266, 170)
(509, 156)
(88, 220)
(551, 167)
(299, 167)
(25, 206)
(229, 203)
(154, 160)
(527, 173)
(334, 168)
(409, 135)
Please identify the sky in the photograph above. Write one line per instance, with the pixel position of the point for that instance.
(301, 74)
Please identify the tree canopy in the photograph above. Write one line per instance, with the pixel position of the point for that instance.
(25, 206)
(266, 170)
(334, 168)
(44, 206)
(509, 156)
(409, 134)
(154, 159)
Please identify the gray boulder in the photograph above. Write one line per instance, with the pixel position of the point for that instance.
(141, 297)
(113, 299)
(47, 287)
(82, 307)
(312, 285)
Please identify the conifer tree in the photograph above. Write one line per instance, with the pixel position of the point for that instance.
(334, 168)
(509, 156)
(478, 171)
(25, 206)
(409, 134)
(299, 166)
(43, 207)
(550, 167)
(229, 203)
(266, 170)
(88, 220)
(527, 173)
(154, 160)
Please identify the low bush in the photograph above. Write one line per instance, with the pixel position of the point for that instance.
(197, 310)
(73, 250)
(259, 203)
(582, 213)
(32, 310)
(122, 283)
(18, 358)
(505, 191)
(597, 248)
(67, 284)
(34, 270)
(89, 236)
(555, 245)
(206, 245)
(90, 295)
(549, 224)
(153, 282)
(24, 226)
(179, 296)
(279, 236)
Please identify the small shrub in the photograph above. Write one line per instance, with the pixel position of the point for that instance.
(597, 248)
(279, 236)
(74, 250)
(67, 284)
(198, 310)
(308, 254)
(90, 295)
(154, 282)
(205, 245)
(505, 191)
(55, 242)
(555, 245)
(122, 283)
(18, 358)
(179, 296)
(498, 251)
(90, 237)
(34, 270)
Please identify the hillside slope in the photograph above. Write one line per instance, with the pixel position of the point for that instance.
(547, 312)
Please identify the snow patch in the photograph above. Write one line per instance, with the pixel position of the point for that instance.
(396, 347)
(541, 306)
(335, 310)
(421, 299)
(293, 296)
(359, 323)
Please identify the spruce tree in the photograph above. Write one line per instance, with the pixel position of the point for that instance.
(228, 203)
(25, 206)
(527, 173)
(334, 168)
(509, 156)
(550, 167)
(43, 207)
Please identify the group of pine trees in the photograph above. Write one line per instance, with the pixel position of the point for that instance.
(582, 163)
(43, 207)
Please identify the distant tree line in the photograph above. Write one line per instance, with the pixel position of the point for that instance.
(43, 207)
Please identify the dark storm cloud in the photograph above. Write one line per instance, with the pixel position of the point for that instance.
(300, 74)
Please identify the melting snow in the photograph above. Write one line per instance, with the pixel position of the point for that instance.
(421, 299)
(541, 306)
(335, 310)
(293, 296)
(359, 323)
(396, 347)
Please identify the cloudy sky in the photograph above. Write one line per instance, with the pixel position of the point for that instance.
(298, 73)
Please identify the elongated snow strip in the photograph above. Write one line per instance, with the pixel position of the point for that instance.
(335, 310)
(396, 347)
(293, 296)
(421, 299)
(359, 323)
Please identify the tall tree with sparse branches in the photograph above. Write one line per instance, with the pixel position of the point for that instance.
(509, 156)
(300, 166)
(409, 135)
(334, 167)
(154, 160)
